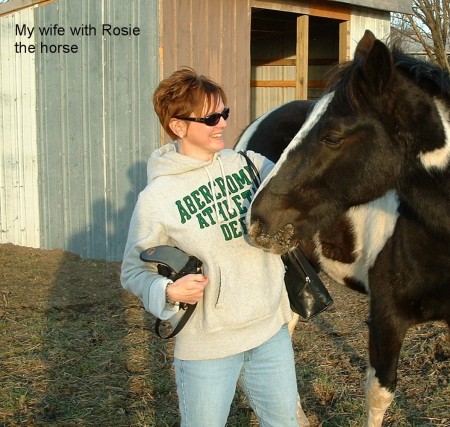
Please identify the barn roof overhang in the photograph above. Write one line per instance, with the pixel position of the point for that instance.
(401, 6)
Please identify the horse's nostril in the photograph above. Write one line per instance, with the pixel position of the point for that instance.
(258, 235)
(255, 231)
(279, 242)
(282, 239)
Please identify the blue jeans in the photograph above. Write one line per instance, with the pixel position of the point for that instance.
(266, 373)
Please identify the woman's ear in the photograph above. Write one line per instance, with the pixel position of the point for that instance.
(178, 127)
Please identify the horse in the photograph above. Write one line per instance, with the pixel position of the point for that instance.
(382, 130)
(346, 249)
(272, 132)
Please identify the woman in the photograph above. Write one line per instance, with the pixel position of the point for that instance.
(196, 199)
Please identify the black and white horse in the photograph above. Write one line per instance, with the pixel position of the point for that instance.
(271, 133)
(347, 248)
(377, 143)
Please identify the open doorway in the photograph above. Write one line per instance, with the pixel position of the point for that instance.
(280, 43)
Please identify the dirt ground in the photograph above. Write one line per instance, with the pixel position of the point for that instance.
(79, 350)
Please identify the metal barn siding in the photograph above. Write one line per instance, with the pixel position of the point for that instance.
(213, 37)
(96, 126)
(19, 200)
(377, 21)
(132, 127)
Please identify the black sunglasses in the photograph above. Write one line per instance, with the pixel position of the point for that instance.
(210, 120)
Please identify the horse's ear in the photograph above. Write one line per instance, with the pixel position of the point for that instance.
(378, 67)
(376, 60)
(365, 44)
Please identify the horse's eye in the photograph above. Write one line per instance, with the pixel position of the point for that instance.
(332, 139)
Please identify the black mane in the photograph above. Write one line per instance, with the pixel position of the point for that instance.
(345, 78)
(429, 76)
(342, 82)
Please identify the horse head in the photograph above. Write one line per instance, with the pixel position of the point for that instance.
(355, 146)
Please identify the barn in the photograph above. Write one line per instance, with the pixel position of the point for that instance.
(77, 123)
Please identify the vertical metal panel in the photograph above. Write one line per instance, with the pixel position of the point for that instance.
(19, 201)
(69, 88)
(376, 21)
(213, 38)
(95, 123)
(131, 126)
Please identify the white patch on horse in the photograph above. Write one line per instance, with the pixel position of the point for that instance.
(313, 118)
(378, 399)
(251, 129)
(439, 158)
(372, 223)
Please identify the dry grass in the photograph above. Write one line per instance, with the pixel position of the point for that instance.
(77, 350)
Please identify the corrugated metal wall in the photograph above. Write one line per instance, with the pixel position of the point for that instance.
(95, 125)
(19, 201)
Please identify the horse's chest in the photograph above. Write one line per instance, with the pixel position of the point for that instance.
(412, 272)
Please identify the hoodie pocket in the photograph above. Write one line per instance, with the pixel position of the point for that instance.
(246, 298)
(219, 275)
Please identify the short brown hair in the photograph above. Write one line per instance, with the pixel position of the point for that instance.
(183, 93)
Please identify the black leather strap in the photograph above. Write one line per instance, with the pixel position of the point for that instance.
(253, 169)
(187, 314)
(175, 264)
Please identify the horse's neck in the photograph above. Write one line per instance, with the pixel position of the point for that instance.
(439, 158)
(425, 188)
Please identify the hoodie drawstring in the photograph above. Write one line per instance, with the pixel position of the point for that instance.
(227, 193)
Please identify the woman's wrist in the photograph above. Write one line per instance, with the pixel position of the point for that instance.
(168, 299)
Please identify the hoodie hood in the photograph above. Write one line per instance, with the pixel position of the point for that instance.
(167, 161)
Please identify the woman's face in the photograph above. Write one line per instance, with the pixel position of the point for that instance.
(202, 141)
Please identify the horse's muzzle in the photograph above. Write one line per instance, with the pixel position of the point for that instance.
(280, 242)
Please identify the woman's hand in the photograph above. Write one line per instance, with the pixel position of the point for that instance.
(188, 289)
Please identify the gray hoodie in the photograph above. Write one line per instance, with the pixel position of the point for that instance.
(200, 207)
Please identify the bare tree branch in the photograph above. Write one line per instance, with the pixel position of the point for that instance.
(428, 25)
